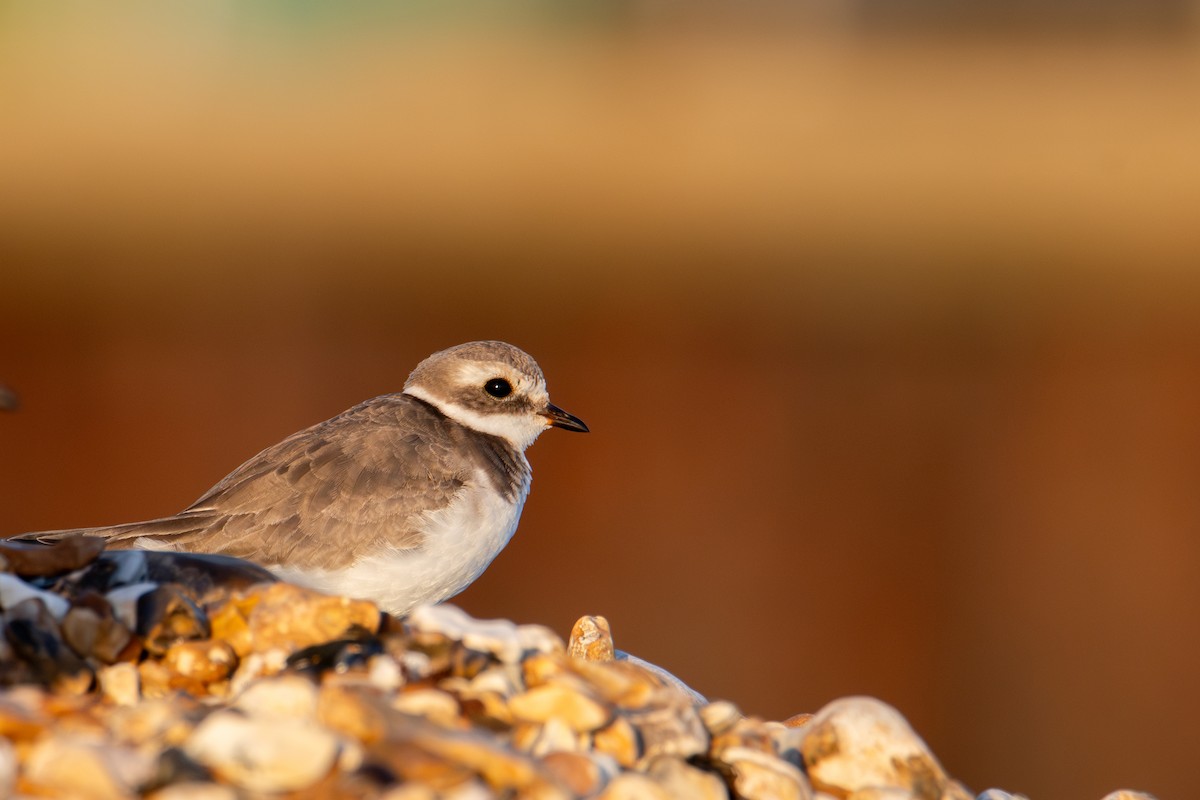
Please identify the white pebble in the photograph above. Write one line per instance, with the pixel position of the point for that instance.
(13, 590)
(263, 754)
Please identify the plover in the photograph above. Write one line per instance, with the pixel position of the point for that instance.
(404, 499)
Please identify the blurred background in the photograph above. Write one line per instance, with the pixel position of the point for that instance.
(884, 317)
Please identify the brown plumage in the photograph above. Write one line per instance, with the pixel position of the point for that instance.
(367, 481)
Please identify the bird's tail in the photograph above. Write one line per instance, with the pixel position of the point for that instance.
(124, 535)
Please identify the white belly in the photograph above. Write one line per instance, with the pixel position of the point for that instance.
(459, 542)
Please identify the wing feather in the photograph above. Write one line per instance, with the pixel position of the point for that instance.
(363, 479)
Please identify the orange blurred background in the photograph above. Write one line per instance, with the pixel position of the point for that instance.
(884, 318)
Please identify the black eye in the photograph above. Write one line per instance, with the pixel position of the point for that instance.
(498, 387)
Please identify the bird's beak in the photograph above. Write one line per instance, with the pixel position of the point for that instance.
(561, 419)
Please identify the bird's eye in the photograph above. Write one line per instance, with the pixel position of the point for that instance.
(498, 387)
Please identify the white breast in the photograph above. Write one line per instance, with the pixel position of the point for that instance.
(459, 542)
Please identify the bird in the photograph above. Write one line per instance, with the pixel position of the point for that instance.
(404, 499)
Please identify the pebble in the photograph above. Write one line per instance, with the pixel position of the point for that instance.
(585, 774)
(620, 741)
(120, 683)
(761, 776)
(410, 791)
(194, 791)
(618, 682)
(66, 766)
(124, 601)
(287, 696)
(555, 735)
(93, 631)
(352, 714)
(8, 768)
(591, 640)
(681, 779)
(671, 726)
(33, 560)
(580, 711)
(634, 786)
(432, 704)
(194, 665)
(384, 673)
(860, 743)
(166, 615)
(420, 749)
(505, 640)
(719, 717)
(230, 624)
(13, 590)
(692, 695)
(185, 677)
(263, 754)
(291, 618)
(34, 636)
(206, 578)
(150, 722)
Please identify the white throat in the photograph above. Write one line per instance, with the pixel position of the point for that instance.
(519, 430)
